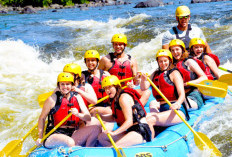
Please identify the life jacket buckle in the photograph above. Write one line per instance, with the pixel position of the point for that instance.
(70, 122)
(121, 74)
(164, 148)
(61, 150)
(122, 66)
(70, 104)
(185, 138)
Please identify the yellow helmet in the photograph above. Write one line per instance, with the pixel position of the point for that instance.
(110, 80)
(65, 77)
(182, 11)
(92, 54)
(73, 68)
(164, 52)
(196, 41)
(177, 42)
(119, 38)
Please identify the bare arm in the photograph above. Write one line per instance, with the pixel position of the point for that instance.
(106, 73)
(208, 50)
(126, 102)
(212, 65)
(134, 71)
(48, 105)
(134, 66)
(89, 94)
(84, 114)
(177, 79)
(102, 63)
(145, 84)
(196, 68)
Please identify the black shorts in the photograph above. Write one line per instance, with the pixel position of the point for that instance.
(65, 131)
(102, 104)
(143, 129)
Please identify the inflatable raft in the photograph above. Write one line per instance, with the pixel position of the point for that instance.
(172, 140)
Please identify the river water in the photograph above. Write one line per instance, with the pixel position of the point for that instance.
(35, 47)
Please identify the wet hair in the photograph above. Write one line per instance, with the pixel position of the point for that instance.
(118, 91)
(80, 80)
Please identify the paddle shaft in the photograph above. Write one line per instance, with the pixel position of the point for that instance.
(186, 123)
(221, 68)
(110, 138)
(59, 124)
(50, 132)
(21, 140)
(206, 86)
(104, 127)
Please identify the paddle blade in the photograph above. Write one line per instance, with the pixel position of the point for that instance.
(43, 97)
(7, 150)
(226, 78)
(208, 143)
(34, 134)
(213, 88)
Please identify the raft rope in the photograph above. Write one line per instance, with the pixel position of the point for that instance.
(62, 151)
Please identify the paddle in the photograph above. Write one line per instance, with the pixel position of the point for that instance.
(201, 140)
(50, 132)
(58, 125)
(14, 147)
(226, 78)
(211, 88)
(120, 152)
(43, 97)
(224, 69)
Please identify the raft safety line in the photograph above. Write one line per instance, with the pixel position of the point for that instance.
(62, 151)
(164, 147)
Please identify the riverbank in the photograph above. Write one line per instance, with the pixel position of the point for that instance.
(55, 7)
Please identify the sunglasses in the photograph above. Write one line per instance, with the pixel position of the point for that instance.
(181, 17)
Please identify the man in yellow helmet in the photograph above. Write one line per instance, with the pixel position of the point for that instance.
(122, 65)
(183, 31)
(118, 63)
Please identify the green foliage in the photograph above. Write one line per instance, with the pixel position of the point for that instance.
(47, 2)
(67, 2)
(41, 3)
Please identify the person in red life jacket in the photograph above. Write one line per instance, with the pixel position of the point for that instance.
(170, 82)
(94, 77)
(210, 61)
(129, 114)
(84, 89)
(122, 65)
(56, 108)
(191, 70)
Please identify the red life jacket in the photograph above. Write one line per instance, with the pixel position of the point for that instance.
(209, 73)
(85, 101)
(96, 83)
(137, 109)
(165, 85)
(62, 109)
(187, 74)
(121, 70)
